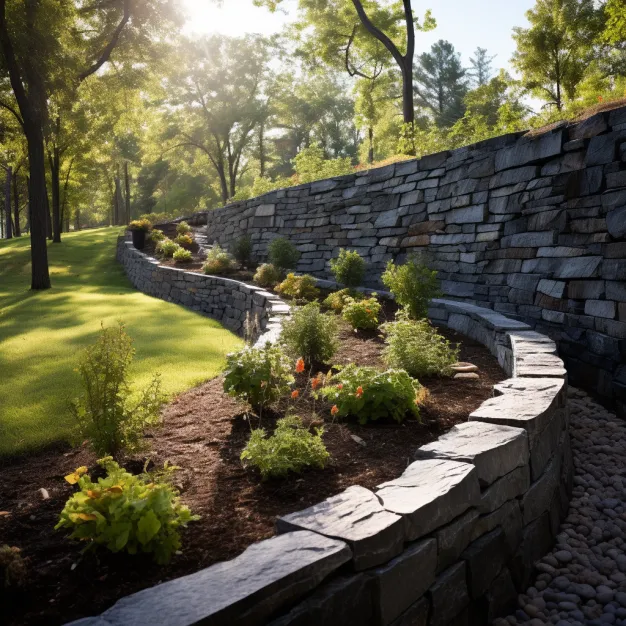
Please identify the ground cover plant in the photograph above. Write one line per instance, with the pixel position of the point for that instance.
(182, 256)
(167, 247)
(218, 261)
(300, 288)
(361, 314)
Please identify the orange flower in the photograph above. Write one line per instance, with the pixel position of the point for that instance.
(294, 394)
(600, 98)
(359, 391)
(334, 410)
(315, 382)
(300, 365)
(368, 311)
(340, 386)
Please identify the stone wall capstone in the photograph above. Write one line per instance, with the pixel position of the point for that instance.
(532, 226)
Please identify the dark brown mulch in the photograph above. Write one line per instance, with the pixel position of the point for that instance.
(204, 433)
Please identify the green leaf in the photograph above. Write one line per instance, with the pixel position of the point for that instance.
(147, 527)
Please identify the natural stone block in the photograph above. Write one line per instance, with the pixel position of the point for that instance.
(529, 240)
(592, 126)
(513, 484)
(356, 517)
(529, 150)
(616, 222)
(509, 518)
(467, 215)
(430, 493)
(601, 149)
(552, 288)
(387, 219)
(512, 177)
(536, 543)
(454, 538)
(485, 557)
(494, 450)
(265, 210)
(415, 615)
(449, 595)
(501, 597)
(538, 498)
(579, 267)
(600, 308)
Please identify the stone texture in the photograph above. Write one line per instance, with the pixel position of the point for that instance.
(485, 557)
(513, 484)
(449, 595)
(416, 615)
(454, 538)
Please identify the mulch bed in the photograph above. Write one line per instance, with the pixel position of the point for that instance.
(204, 432)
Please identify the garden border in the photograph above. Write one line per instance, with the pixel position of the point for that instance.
(452, 539)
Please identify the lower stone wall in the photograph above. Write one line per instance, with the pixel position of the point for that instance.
(450, 541)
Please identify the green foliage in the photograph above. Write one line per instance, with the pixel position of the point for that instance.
(311, 164)
(242, 249)
(310, 334)
(106, 413)
(418, 348)
(182, 256)
(184, 240)
(614, 32)
(291, 448)
(283, 254)
(369, 394)
(167, 247)
(182, 228)
(348, 268)
(157, 235)
(413, 286)
(144, 225)
(123, 512)
(299, 287)
(156, 218)
(12, 567)
(267, 275)
(258, 376)
(336, 300)
(362, 314)
(218, 261)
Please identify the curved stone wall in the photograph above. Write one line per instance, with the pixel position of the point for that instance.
(531, 226)
(448, 542)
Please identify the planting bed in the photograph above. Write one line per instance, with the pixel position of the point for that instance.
(204, 432)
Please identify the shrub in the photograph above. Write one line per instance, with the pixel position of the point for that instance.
(299, 287)
(291, 448)
(417, 347)
(106, 414)
(182, 228)
(338, 299)
(348, 268)
(242, 250)
(184, 240)
(124, 512)
(258, 376)
(157, 235)
(283, 254)
(141, 224)
(182, 256)
(413, 286)
(167, 247)
(310, 334)
(156, 218)
(267, 275)
(362, 313)
(12, 567)
(369, 394)
(218, 261)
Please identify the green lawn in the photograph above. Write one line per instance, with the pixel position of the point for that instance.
(41, 334)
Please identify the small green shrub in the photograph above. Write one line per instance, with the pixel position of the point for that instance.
(182, 256)
(218, 261)
(184, 240)
(283, 254)
(106, 413)
(310, 334)
(348, 268)
(362, 314)
(124, 512)
(12, 567)
(258, 376)
(291, 448)
(369, 394)
(336, 300)
(242, 250)
(417, 347)
(157, 235)
(299, 287)
(142, 224)
(182, 228)
(156, 218)
(167, 247)
(267, 275)
(413, 286)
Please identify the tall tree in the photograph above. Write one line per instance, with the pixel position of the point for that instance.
(441, 83)
(554, 52)
(481, 67)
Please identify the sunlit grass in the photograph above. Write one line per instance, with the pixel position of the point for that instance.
(41, 334)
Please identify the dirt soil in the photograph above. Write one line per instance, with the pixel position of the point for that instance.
(204, 432)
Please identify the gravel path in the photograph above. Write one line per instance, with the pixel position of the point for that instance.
(583, 579)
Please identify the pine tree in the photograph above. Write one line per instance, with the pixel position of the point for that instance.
(481, 71)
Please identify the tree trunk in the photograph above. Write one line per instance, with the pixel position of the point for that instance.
(56, 195)
(77, 220)
(16, 206)
(118, 201)
(370, 152)
(7, 202)
(261, 150)
(127, 191)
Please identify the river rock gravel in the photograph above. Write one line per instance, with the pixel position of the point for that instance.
(583, 580)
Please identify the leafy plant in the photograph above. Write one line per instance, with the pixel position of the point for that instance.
(124, 512)
(184, 240)
(417, 347)
(218, 261)
(12, 567)
(338, 299)
(182, 256)
(311, 334)
(299, 287)
(157, 235)
(167, 247)
(258, 376)
(283, 254)
(142, 224)
(362, 314)
(267, 275)
(291, 448)
(242, 250)
(369, 394)
(182, 228)
(348, 268)
(413, 286)
(106, 413)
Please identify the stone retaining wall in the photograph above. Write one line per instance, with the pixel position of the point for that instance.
(448, 542)
(532, 227)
